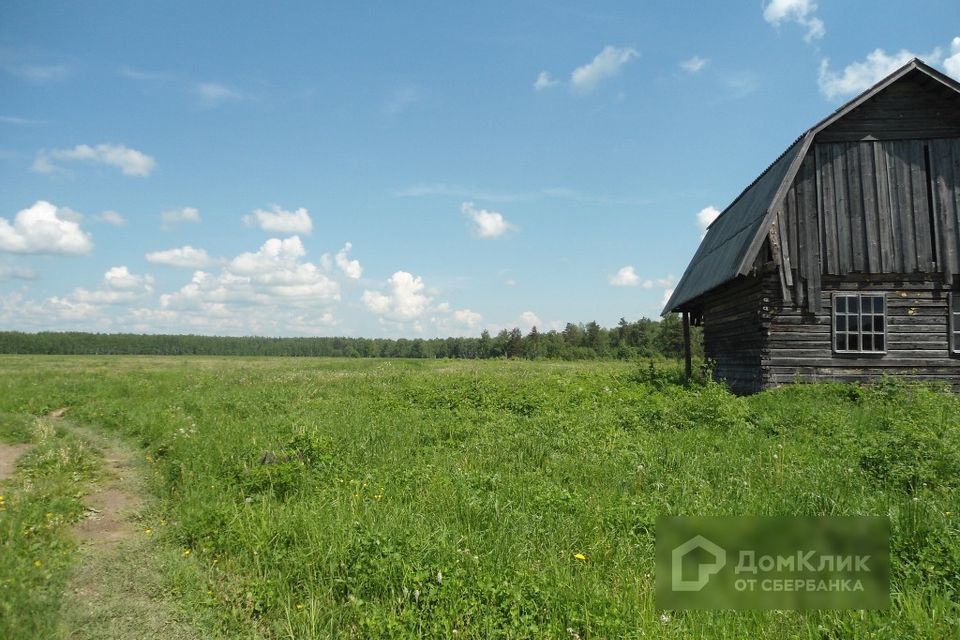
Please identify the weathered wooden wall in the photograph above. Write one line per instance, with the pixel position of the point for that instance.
(798, 344)
(733, 332)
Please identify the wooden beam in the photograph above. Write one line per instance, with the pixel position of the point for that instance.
(687, 368)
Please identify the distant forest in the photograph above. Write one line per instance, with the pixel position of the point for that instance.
(643, 338)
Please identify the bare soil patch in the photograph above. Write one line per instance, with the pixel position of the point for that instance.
(8, 457)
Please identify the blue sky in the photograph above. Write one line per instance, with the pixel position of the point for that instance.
(400, 169)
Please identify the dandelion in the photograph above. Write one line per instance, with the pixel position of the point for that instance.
(37, 564)
(299, 606)
(580, 557)
(148, 531)
(186, 552)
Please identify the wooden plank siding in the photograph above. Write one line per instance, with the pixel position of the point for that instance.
(797, 345)
(733, 333)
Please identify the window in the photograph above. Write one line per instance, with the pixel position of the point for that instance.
(954, 323)
(859, 323)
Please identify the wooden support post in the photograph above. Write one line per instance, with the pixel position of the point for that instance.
(686, 344)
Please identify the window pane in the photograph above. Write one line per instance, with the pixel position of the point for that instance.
(878, 323)
(853, 342)
(841, 323)
(841, 342)
(878, 342)
(878, 304)
(868, 342)
(841, 304)
(853, 304)
(854, 323)
(868, 323)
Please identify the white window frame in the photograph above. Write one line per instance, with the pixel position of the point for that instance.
(953, 325)
(859, 295)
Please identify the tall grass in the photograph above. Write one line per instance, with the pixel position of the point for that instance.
(401, 499)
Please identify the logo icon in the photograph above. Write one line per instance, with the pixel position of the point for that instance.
(704, 570)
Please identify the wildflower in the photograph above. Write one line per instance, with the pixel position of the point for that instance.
(186, 552)
(148, 531)
(580, 557)
(440, 577)
(664, 618)
(37, 564)
(299, 606)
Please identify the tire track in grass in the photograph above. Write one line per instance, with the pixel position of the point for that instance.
(118, 589)
(9, 454)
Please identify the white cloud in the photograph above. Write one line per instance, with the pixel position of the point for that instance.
(544, 81)
(952, 63)
(705, 217)
(173, 216)
(528, 320)
(694, 64)
(279, 220)
(799, 11)
(489, 224)
(405, 300)
(625, 277)
(647, 284)
(111, 217)
(467, 318)
(859, 76)
(119, 286)
(270, 276)
(350, 268)
(401, 99)
(606, 64)
(213, 94)
(44, 228)
(666, 297)
(130, 161)
(668, 281)
(186, 257)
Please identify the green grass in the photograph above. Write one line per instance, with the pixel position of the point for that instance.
(423, 498)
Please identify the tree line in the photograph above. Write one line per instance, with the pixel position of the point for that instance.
(642, 338)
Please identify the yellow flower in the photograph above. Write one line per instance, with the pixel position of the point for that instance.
(186, 552)
(148, 531)
(299, 606)
(580, 556)
(37, 563)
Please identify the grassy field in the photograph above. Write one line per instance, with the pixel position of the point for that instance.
(474, 499)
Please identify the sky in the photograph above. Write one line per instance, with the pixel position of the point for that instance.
(400, 169)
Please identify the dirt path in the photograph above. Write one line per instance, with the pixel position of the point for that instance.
(119, 588)
(8, 457)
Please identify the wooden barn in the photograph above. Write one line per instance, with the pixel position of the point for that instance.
(841, 261)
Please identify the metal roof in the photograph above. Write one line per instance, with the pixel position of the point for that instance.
(735, 237)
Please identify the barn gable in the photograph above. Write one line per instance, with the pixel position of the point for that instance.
(896, 148)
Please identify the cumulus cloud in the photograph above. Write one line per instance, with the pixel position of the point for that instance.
(467, 318)
(119, 285)
(952, 63)
(44, 228)
(529, 320)
(666, 297)
(625, 277)
(130, 161)
(489, 224)
(694, 64)
(350, 268)
(705, 218)
(406, 298)
(802, 12)
(279, 220)
(186, 257)
(272, 274)
(605, 64)
(172, 217)
(15, 272)
(859, 76)
(544, 81)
